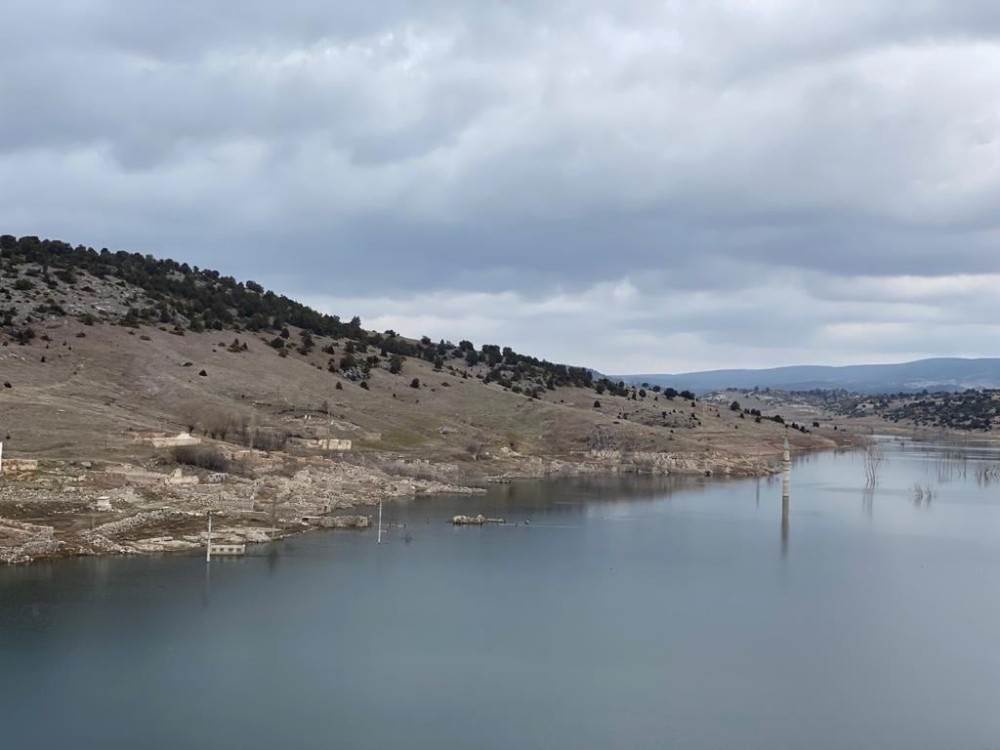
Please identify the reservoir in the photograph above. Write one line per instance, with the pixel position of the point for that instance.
(607, 613)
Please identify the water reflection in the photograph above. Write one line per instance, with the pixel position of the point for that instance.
(784, 525)
(922, 495)
(987, 472)
(572, 493)
(558, 500)
(272, 558)
(206, 594)
(385, 646)
(953, 464)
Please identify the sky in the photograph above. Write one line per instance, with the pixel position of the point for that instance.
(638, 186)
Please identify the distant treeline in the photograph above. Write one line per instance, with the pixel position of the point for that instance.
(970, 410)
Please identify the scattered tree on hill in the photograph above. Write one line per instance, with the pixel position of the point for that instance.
(186, 297)
(201, 456)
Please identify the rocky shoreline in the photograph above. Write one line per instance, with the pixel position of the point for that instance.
(66, 510)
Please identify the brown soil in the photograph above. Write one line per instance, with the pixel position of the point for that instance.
(81, 412)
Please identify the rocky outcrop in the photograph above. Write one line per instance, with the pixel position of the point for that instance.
(11, 526)
(346, 522)
(287, 494)
(125, 525)
(161, 544)
(708, 463)
(29, 551)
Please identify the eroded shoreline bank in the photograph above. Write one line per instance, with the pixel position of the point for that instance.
(58, 510)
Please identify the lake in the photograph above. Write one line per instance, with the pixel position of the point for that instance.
(629, 613)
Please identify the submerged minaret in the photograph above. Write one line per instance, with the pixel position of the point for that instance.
(786, 479)
(786, 482)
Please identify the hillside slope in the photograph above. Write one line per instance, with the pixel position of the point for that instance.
(100, 363)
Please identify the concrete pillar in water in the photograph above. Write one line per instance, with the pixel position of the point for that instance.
(786, 465)
(786, 483)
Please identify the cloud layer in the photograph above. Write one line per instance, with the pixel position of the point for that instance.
(661, 185)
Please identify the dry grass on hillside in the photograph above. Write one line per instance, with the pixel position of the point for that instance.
(99, 384)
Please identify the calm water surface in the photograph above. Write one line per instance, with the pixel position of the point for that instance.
(627, 614)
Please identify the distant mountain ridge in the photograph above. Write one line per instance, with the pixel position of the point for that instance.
(937, 374)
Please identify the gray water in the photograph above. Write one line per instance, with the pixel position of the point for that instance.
(627, 614)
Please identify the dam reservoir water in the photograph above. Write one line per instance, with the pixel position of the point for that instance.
(629, 613)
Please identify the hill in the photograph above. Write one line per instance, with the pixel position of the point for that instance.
(939, 374)
(107, 357)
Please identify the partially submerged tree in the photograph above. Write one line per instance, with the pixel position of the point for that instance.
(874, 456)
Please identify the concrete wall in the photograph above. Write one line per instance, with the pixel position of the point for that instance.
(228, 549)
(183, 438)
(150, 477)
(326, 444)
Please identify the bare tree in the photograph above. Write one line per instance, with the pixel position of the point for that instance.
(874, 456)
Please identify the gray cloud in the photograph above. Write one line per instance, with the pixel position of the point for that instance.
(749, 169)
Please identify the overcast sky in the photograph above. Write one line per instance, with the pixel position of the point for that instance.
(637, 186)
